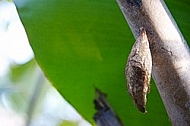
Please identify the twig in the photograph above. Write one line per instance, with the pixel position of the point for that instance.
(170, 54)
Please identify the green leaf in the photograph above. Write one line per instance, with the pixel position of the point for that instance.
(67, 123)
(84, 44)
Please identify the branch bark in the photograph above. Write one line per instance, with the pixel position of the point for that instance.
(170, 54)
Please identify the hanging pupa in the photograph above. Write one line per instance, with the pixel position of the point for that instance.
(138, 71)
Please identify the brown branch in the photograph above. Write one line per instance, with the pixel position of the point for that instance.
(170, 54)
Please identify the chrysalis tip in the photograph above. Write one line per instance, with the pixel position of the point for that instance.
(142, 109)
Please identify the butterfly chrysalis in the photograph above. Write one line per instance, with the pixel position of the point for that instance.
(138, 71)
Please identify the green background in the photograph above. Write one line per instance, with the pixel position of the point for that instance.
(83, 44)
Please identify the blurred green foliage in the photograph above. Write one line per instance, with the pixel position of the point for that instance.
(84, 44)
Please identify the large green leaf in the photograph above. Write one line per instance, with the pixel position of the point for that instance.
(83, 44)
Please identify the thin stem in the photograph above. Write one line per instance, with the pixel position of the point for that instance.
(34, 97)
(170, 54)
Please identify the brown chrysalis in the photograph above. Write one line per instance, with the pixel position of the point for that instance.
(138, 71)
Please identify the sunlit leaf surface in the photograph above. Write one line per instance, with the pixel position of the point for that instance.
(84, 44)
